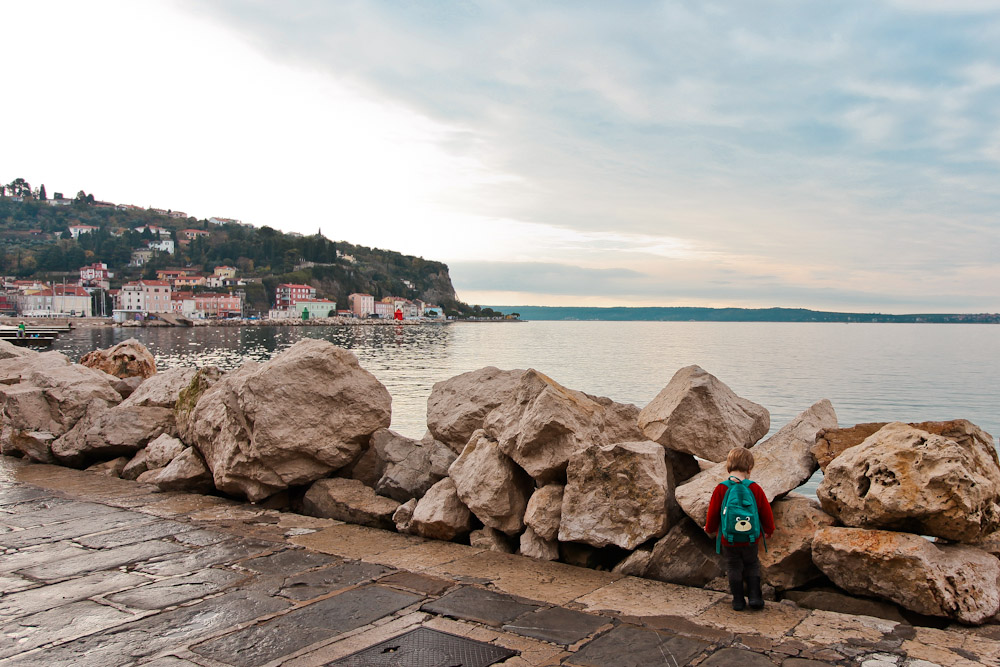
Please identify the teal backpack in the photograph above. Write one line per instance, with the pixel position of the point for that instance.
(739, 521)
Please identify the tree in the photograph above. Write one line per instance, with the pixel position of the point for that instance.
(19, 188)
(41, 193)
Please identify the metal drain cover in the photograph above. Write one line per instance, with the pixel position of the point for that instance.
(427, 648)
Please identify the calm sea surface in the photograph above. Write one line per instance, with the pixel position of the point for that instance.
(871, 372)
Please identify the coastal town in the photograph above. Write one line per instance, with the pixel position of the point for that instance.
(171, 294)
(152, 265)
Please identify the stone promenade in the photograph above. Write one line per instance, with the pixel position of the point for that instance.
(100, 571)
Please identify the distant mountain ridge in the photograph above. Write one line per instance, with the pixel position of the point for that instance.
(697, 314)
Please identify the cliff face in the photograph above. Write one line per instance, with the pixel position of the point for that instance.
(441, 291)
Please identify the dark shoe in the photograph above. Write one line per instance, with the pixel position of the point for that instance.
(754, 595)
(736, 588)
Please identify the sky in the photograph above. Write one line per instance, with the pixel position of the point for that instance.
(828, 155)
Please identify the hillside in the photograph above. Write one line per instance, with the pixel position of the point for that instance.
(35, 243)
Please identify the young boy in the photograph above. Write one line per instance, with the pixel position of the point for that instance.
(742, 563)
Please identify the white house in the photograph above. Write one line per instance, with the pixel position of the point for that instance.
(76, 230)
(163, 245)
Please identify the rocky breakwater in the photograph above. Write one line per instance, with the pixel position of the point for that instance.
(515, 462)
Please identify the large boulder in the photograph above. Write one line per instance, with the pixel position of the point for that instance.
(10, 351)
(204, 379)
(409, 467)
(128, 358)
(685, 556)
(903, 478)
(782, 463)
(118, 431)
(161, 390)
(46, 393)
(831, 443)
(186, 472)
(440, 514)
(787, 561)
(290, 421)
(953, 581)
(457, 407)
(616, 494)
(542, 424)
(544, 511)
(491, 485)
(697, 413)
(349, 500)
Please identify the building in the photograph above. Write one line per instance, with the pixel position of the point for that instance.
(140, 257)
(192, 234)
(76, 230)
(287, 294)
(225, 271)
(96, 275)
(223, 221)
(313, 309)
(384, 310)
(163, 245)
(170, 275)
(361, 305)
(188, 281)
(177, 214)
(145, 297)
(61, 300)
(161, 232)
(59, 200)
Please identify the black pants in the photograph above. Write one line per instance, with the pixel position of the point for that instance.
(742, 561)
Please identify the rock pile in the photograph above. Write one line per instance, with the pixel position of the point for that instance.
(515, 462)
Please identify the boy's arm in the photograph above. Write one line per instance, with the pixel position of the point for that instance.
(763, 510)
(714, 507)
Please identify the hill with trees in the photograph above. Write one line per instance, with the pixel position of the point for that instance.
(35, 242)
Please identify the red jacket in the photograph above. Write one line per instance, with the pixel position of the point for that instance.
(763, 509)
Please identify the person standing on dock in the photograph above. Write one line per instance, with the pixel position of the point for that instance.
(20, 329)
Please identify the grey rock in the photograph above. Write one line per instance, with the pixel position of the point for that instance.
(440, 514)
(349, 500)
(685, 556)
(698, 414)
(534, 546)
(457, 407)
(491, 485)
(411, 467)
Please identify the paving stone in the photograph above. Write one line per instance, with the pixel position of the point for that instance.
(288, 562)
(73, 590)
(149, 636)
(37, 555)
(291, 632)
(59, 510)
(685, 627)
(101, 559)
(13, 583)
(737, 656)
(644, 597)
(169, 661)
(18, 494)
(176, 590)
(557, 625)
(418, 582)
(133, 534)
(200, 537)
(309, 585)
(69, 529)
(804, 662)
(554, 583)
(190, 560)
(72, 620)
(475, 604)
(629, 646)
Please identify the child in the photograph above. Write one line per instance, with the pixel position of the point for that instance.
(742, 563)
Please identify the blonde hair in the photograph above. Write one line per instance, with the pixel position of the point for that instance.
(740, 459)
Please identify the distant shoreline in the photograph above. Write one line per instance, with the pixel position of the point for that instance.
(682, 314)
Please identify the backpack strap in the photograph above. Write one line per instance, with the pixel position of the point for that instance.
(762, 538)
(728, 483)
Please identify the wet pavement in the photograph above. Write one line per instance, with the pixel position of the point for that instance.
(100, 571)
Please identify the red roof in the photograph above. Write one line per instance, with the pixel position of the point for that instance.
(293, 285)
